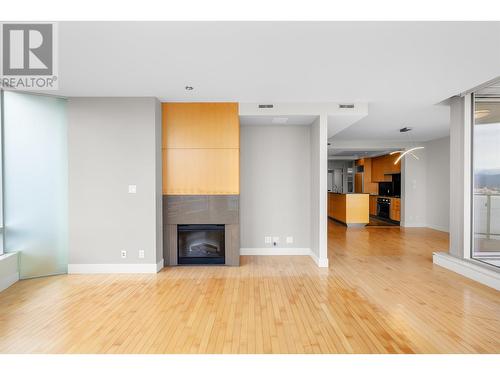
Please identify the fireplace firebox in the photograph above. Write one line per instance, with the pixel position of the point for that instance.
(201, 244)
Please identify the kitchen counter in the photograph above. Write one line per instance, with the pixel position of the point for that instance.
(352, 209)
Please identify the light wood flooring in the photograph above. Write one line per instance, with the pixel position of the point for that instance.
(381, 294)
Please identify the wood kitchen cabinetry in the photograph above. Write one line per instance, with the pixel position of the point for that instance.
(383, 167)
(363, 182)
(350, 209)
(373, 205)
(395, 212)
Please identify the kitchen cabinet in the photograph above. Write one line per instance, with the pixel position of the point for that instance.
(373, 205)
(358, 183)
(363, 181)
(395, 212)
(350, 209)
(383, 167)
(369, 186)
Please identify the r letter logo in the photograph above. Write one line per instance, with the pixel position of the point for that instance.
(28, 56)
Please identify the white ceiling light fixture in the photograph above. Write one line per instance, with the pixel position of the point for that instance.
(410, 150)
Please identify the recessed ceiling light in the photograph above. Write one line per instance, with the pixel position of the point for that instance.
(481, 113)
(189, 88)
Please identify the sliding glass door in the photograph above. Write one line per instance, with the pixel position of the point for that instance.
(35, 182)
(486, 182)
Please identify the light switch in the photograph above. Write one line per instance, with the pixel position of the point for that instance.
(132, 189)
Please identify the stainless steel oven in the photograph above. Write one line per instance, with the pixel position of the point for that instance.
(384, 207)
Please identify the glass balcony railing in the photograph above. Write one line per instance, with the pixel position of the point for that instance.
(487, 227)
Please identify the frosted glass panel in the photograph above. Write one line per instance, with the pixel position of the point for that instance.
(36, 183)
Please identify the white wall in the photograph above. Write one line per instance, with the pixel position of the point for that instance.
(319, 190)
(114, 143)
(438, 184)
(275, 186)
(460, 178)
(414, 190)
(9, 272)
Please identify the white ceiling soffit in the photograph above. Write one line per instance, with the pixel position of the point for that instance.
(354, 154)
(293, 120)
(339, 115)
(428, 121)
(341, 121)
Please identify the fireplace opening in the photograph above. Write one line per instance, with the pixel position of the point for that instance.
(200, 244)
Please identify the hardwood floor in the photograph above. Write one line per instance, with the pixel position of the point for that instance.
(381, 294)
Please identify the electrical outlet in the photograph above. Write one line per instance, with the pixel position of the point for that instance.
(124, 254)
(132, 189)
(276, 241)
(268, 239)
(289, 239)
(141, 254)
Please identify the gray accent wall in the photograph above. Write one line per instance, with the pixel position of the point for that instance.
(114, 143)
(275, 185)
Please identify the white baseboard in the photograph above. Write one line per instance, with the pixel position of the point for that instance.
(412, 225)
(115, 268)
(321, 262)
(159, 265)
(274, 251)
(285, 251)
(438, 227)
(469, 269)
(8, 280)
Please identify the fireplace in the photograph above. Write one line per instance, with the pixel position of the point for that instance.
(214, 217)
(201, 244)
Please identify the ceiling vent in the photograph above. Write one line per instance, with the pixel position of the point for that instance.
(266, 106)
(404, 130)
(346, 106)
(279, 120)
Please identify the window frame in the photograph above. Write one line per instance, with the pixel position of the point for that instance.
(474, 99)
(2, 231)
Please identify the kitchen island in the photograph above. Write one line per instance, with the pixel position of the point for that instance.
(350, 209)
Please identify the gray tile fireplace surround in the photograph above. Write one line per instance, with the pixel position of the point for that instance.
(201, 209)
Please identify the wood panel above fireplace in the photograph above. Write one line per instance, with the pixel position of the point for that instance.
(201, 148)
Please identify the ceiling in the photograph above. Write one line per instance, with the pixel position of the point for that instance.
(276, 120)
(402, 69)
(354, 154)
